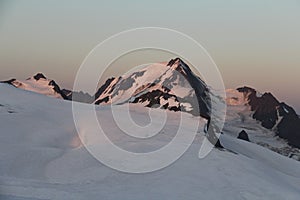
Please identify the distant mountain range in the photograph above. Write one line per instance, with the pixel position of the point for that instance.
(39, 84)
(42, 85)
(172, 85)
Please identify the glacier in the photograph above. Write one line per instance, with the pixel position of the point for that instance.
(42, 157)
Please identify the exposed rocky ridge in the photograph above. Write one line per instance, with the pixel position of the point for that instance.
(57, 89)
(38, 76)
(10, 81)
(274, 115)
(78, 96)
(103, 88)
(200, 87)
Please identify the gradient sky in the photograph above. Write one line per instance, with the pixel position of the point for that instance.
(253, 42)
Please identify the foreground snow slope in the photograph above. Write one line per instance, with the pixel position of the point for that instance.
(42, 158)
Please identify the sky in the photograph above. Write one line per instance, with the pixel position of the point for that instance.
(253, 42)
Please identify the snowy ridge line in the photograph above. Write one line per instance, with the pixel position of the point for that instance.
(41, 160)
(281, 163)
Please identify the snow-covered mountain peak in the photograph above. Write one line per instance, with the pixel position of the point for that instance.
(39, 76)
(40, 79)
(178, 64)
(39, 84)
(170, 85)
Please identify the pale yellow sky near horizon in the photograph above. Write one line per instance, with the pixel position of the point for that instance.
(254, 43)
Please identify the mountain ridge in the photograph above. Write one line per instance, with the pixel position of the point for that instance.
(175, 87)
(170, 86)
(273, 114)
(39, 84)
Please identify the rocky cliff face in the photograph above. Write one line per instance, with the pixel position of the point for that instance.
(274, 115)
